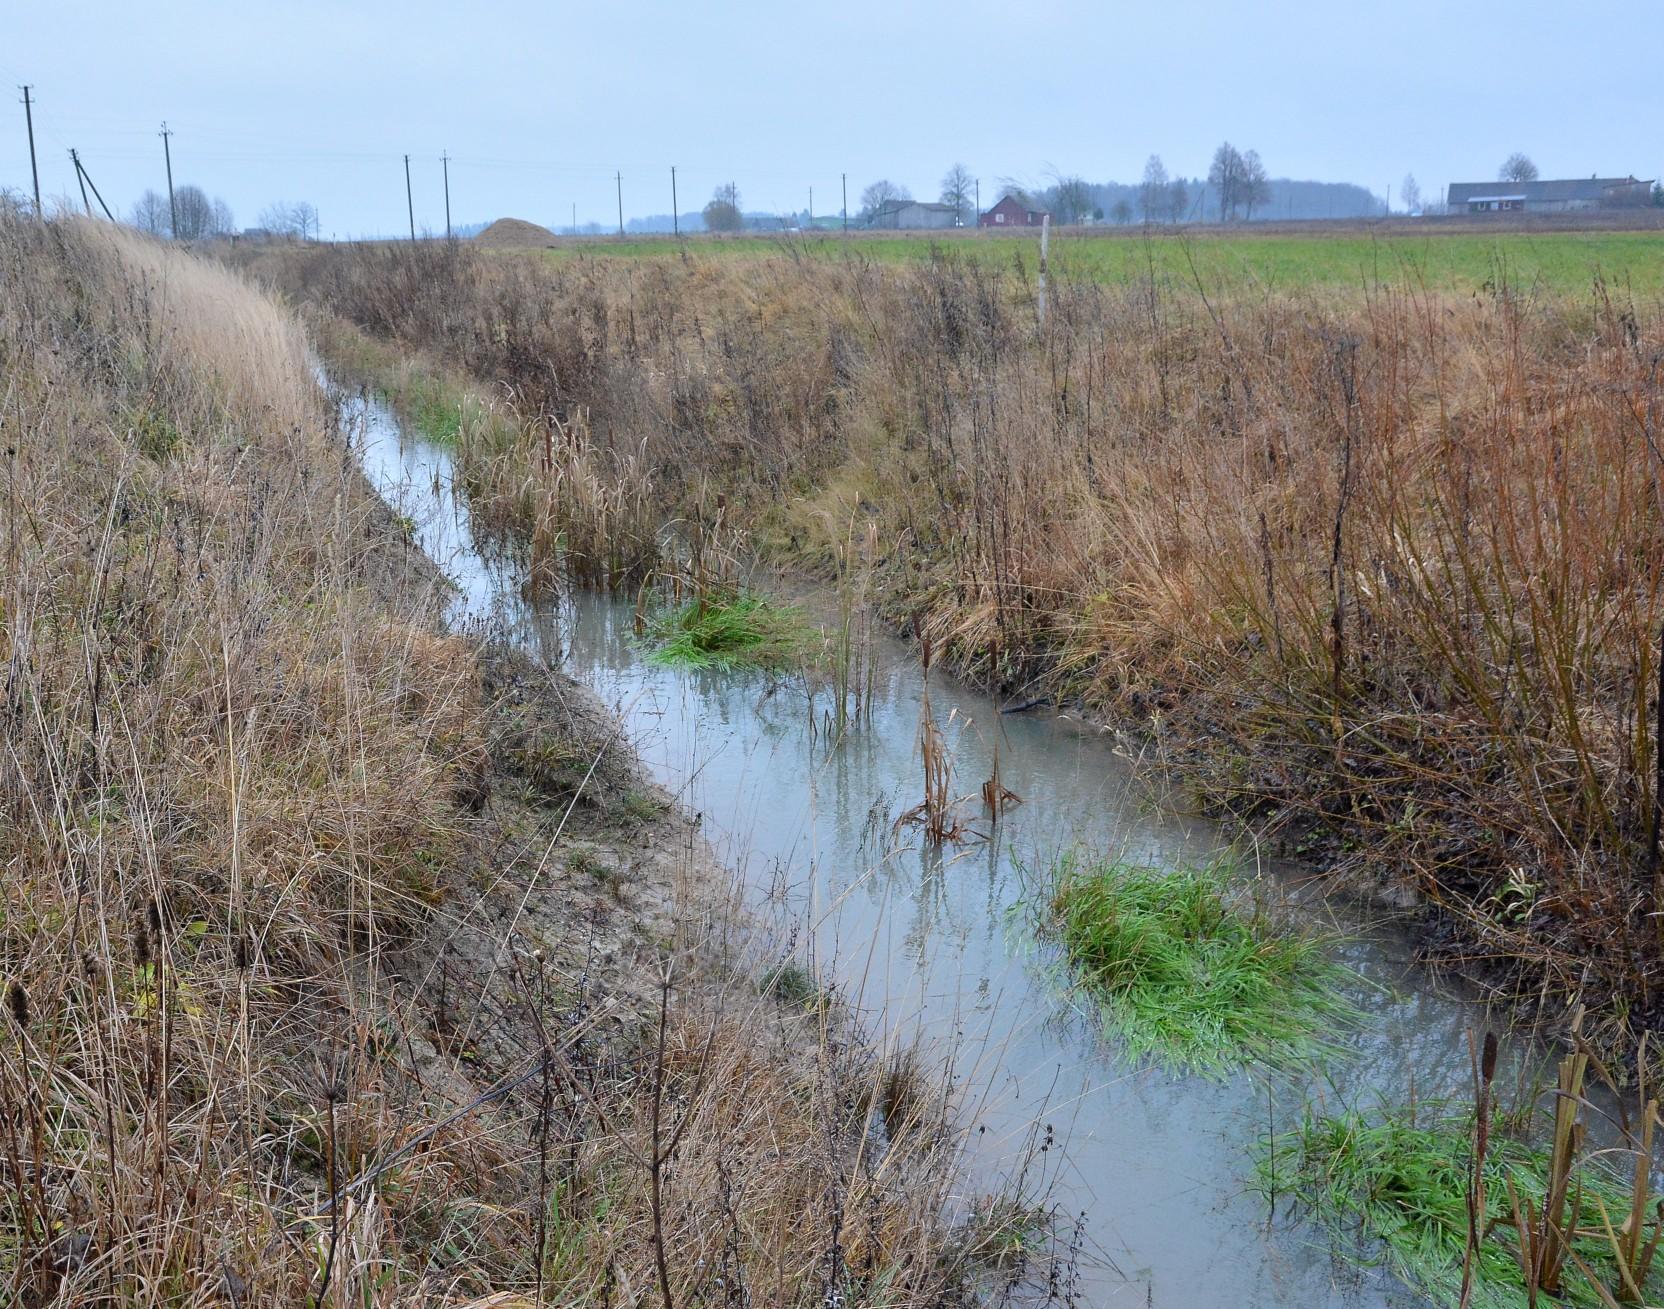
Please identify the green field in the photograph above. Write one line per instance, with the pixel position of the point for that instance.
(1548, 261)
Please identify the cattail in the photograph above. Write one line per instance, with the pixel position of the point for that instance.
(141, 943)
(18, 1001)
(1487, 1061)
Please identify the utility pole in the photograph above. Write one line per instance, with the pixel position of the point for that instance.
(811, 208)
(574, 218)
(979, 202)
(86, 181)
(173, 210)
(675, 217)
(843, 179)
(29, 121)
(86, 203)
(445, 162)
(409, 204)
(619, 178)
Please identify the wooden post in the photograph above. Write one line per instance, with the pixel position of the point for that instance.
(1045, 235)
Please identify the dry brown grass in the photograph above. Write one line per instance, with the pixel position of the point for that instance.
(1381, 568)
(282, 1020)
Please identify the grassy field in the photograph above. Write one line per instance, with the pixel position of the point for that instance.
(1348, 258)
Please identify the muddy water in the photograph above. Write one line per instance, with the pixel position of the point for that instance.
(1153, 1171)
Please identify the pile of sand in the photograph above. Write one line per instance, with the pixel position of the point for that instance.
(515, 234)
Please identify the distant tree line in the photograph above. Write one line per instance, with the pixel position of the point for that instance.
(191, 217)
(295, 218)
(1236, 189)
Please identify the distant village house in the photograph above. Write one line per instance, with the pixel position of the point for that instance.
(913, 216)
(1011, 212)
(1550, 197)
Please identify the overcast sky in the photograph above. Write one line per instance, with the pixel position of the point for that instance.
(539, 103)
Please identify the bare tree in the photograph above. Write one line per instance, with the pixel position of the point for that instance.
(723, 214)
(881, 193)
(1517, 167)
(193, 214)
(1121, 212)
(150, 214)
(1410, 190)
(959, 190)
(1256, 186)
(1152, 192)
(298, 219)
(223, 223)
(1071, 199)
(1225, 176)
(1178, 200)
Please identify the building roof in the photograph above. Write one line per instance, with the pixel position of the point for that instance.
(1559, 190)
(891, 206)
(1016, 203)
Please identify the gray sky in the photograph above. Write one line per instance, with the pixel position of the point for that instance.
(539, 103)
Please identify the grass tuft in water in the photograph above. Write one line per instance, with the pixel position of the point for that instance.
(1399, 1186)
(1185, 976)
(729, 629)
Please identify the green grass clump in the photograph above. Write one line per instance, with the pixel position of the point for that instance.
(728, 629)
(1400, 1187)
(433, 407)
(794, 986)
(1185, 976)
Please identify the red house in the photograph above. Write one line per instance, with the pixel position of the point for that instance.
(1010, 212)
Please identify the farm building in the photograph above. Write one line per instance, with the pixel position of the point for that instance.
(913, 216)
(1550, 197)
(1011, 212)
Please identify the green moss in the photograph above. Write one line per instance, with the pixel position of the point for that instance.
(1184, 975)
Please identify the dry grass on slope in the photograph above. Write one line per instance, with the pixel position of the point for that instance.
(329, 977)
(230, 765)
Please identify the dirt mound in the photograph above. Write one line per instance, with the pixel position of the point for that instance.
(515, 233)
